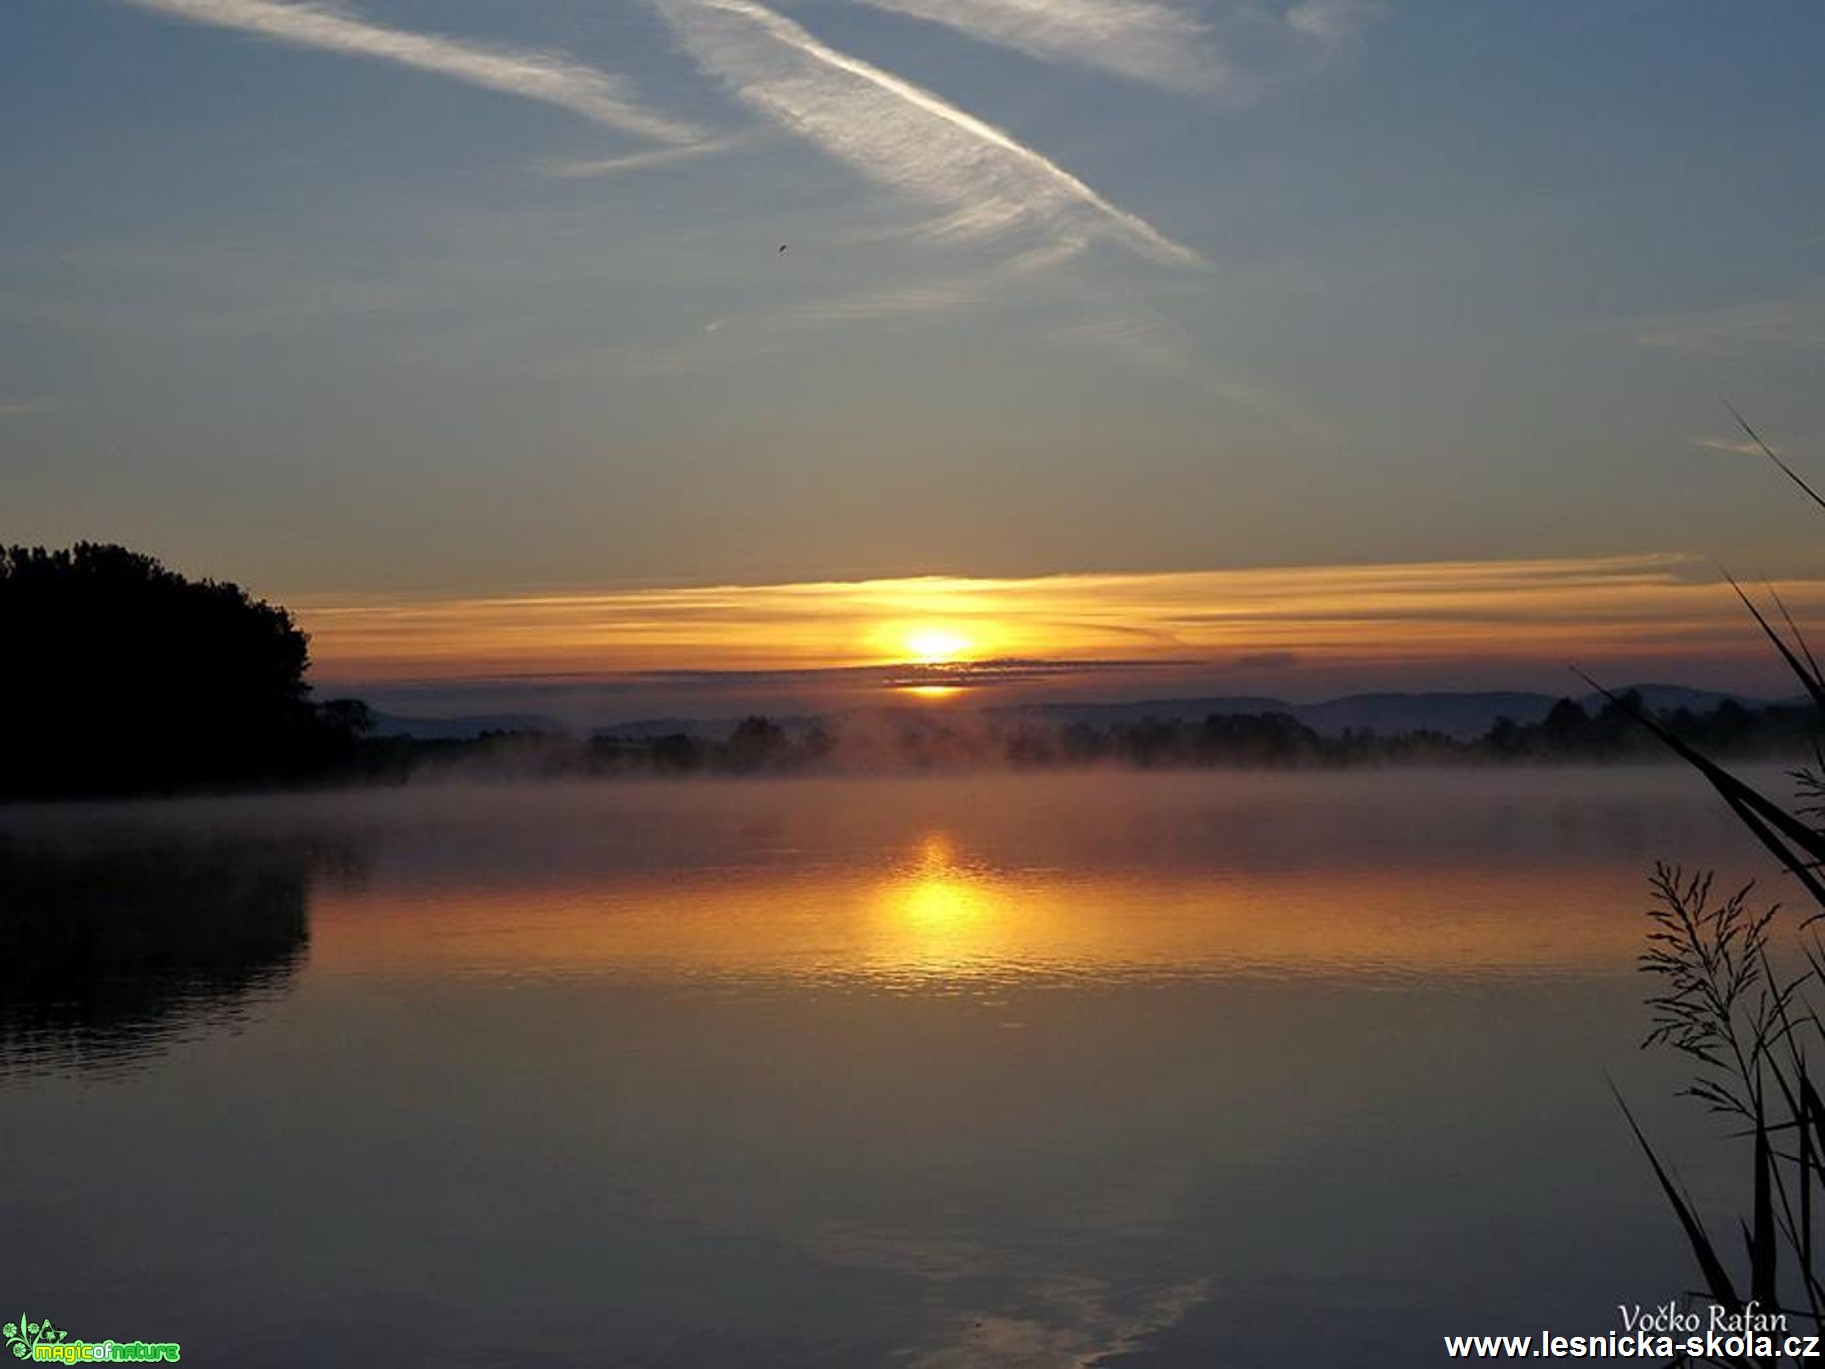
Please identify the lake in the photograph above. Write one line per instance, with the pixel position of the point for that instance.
(1128, 1070)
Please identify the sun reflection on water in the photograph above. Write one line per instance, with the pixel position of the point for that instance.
(939, 915)
(930, 691)
(984, 895)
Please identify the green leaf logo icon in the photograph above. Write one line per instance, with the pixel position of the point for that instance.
(23, 1334)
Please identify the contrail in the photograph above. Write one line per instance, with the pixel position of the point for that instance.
(549, 77)
(898, 133)
(1139, 39)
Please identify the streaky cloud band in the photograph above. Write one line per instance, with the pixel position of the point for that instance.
(900, 134)
(1587, 608)
(1138, 39)
(548, 77)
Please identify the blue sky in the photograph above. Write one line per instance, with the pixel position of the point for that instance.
(403, 298)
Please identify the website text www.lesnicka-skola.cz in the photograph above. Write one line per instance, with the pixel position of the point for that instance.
(1642, 1344)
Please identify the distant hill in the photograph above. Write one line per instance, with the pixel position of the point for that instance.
(1159, 710)
(1456, 715)
(464, 728)
(646, 729)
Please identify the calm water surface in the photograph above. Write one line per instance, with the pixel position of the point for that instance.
(1121, 1070)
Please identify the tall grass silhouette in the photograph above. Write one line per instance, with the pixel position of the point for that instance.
(1751, 1031)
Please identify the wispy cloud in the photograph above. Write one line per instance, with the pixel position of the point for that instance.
(1143, 340)
(1115, 324)
(933, 296)
(898, 133)
(21, 408)
(549, 77)
(1141, 337)
(585, 168)
(1138, 39)
(1333, 22)
(906, 301)
(1594, 610)
(1735, 445)
(1790, 323)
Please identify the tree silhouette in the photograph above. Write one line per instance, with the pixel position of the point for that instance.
(118, 675)
(756, 744)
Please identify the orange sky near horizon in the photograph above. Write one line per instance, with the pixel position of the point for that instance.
(1644, 607)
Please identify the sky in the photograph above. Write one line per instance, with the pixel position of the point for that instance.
(1241, 346)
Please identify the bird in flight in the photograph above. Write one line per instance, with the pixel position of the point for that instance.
(782, 247)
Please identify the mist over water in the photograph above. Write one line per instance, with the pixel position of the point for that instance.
(1249, 1069)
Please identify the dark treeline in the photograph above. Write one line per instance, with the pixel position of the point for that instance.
(118, 676)
(919, 742)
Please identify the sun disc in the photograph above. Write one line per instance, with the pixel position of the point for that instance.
(934, 645)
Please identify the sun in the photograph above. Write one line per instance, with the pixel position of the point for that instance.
(935, 645)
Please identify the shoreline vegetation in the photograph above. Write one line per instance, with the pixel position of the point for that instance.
(125, 679)
(337, 753)
(886, 742)
(760, 747)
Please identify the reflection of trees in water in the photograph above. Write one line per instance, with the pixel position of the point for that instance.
(108, 953)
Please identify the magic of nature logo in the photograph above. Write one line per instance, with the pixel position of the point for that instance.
(47, 1344)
